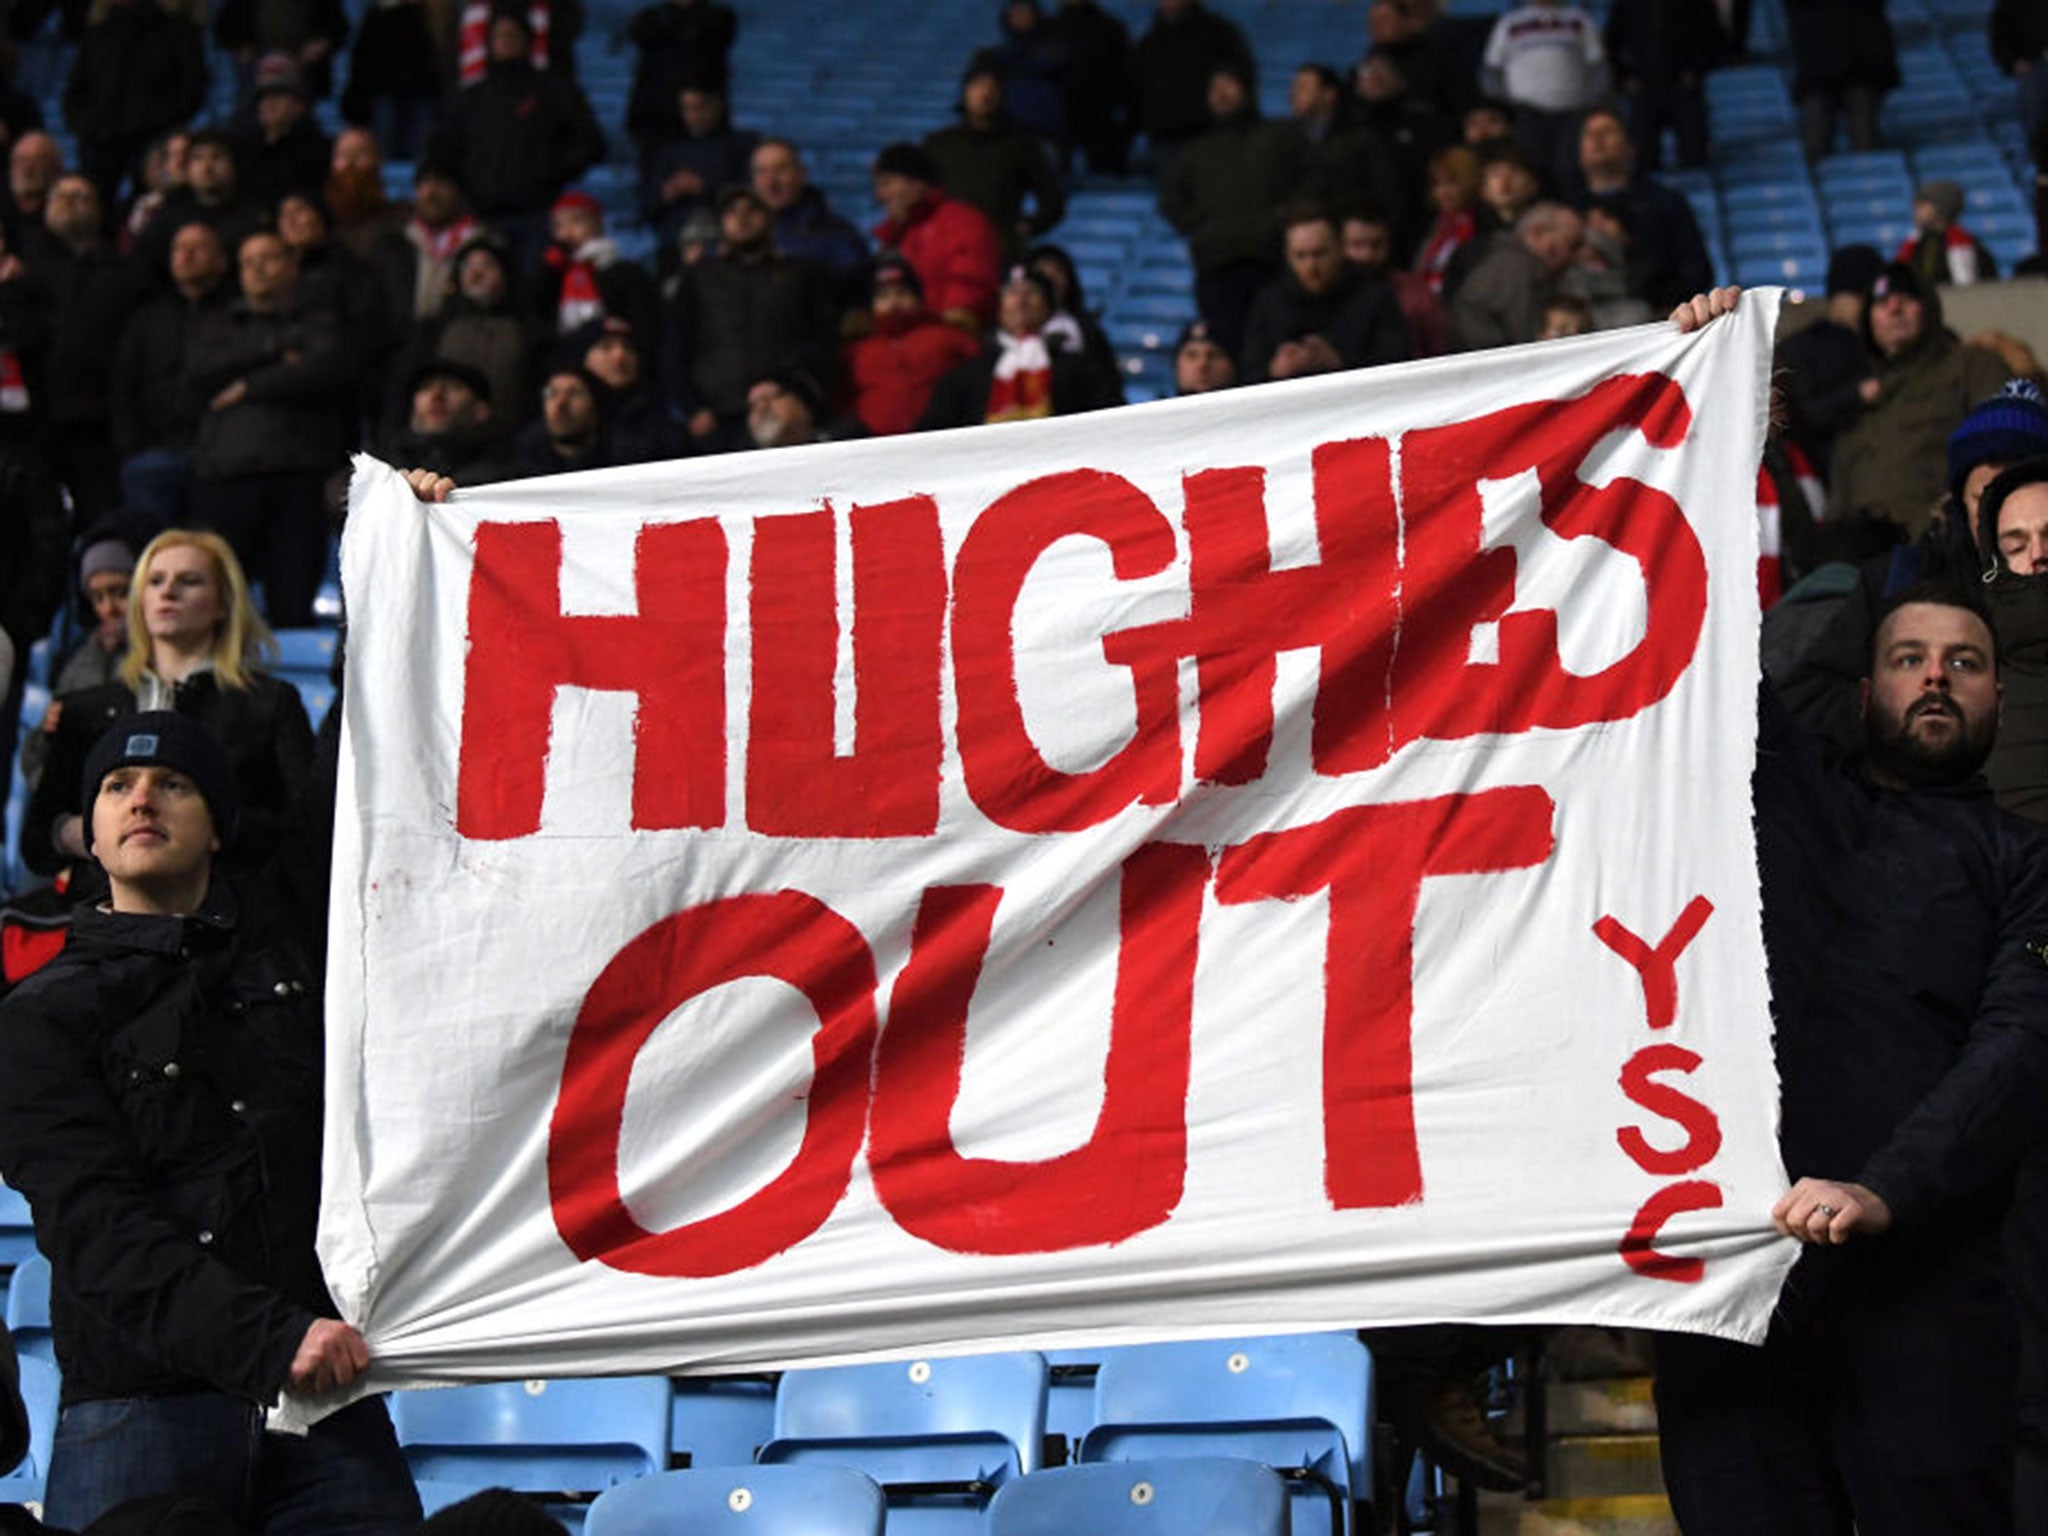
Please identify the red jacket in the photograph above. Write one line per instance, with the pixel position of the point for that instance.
(955, 252)
(890, 376)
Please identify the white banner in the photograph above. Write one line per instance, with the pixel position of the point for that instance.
(1266, 861)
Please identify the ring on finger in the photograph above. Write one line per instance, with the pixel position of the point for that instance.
(1826, 1210)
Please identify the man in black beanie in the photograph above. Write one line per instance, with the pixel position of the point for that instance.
(160, 1107)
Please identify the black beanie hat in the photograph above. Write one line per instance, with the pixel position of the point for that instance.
(912, 160)
(163, 739)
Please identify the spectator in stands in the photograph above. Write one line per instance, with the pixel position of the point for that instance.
(92, 290)
(1098, 49)
(194, 645)
(639, 426)
(418, 263)
(1825, 370)
(1032, 66)
(1660, 51)
(679, 42)
(1172, 66)
(1940, 250)
(33, 533)
(1413, 130)
(361, 212)
(287, 152)
(1487, 122)
(1454, 242)
(1501, 300)
(1668, 254)
(1821, 687)
(891, 371)
(140, 70)
(212, 194)
(519, 136)
(1604, 275)
(482, 323)
(785, 410)
(160, 172)
(697, 163)
(1325, 314)
(1884, 1394)
(1020, 374)
(806, 226)
(1224, 193)
(277, 378)
(153, 414)
(1199, 364)
(1343, 159)
(570, 433)
(582, 277)
(19, 112)
(955, 251)
(1073, 325)
(178, 1208)
(33, 164)
(992, 164)
(105, 567)
(396, 72)
(552, 27)
(1369, 246)
(1564, 314)
(1509, 185)
(1547, 60)
(308, 32)
(2019, 44)
(449, 427)
(1843, 62)
(739, 314)
(332, 277)
(1888, 461)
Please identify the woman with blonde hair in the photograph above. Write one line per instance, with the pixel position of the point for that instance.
(195, 645)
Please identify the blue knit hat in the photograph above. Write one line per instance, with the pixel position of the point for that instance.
(2010, 426)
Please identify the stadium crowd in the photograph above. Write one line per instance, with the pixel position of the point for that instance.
(199, 322)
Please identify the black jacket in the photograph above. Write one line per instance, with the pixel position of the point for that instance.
(997, 169)
(679, 44)
(148, 400)
(734, 319)
(92, 295)
(1905, 933)
(139, 70)
(1170, 68)
(1359, 316)
(299, 413)
(160, 1107)
(519, 136)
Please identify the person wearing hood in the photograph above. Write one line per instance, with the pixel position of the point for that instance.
(991, 163)
(1824, 366)
(519, 136)
(1820, 686)
(1940, 250)
(1887, 462)
(1020, 374)
(451, 429)
(570, 434)
(582, 277)
(891, 372)
(481, 323)
(1224, 195)
(641, 429)
(951, 245)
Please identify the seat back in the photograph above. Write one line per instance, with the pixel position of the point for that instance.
(562, 1436)
(720, 1421)
(28, 1309)
(974, 1419)
(744, 1501)
(17, 1230)
(1184, 1496)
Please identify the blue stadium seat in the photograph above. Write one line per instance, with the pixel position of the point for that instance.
(720, 1421)
(1191, 1496)
(39, 1391)
(572, 1437)
(939, 1435)
(28, 1309)
(1070, 1389)
(1301, 1403)
(308, 651)
(748, 1501)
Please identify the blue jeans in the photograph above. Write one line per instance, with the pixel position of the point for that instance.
(346, 1478)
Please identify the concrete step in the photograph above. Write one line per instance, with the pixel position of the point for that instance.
(1613, 1406)
(1602, 1466)
(1617, 1515)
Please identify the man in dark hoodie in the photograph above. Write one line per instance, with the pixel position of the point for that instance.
(986, 161)
(1224, 195)
(1888, 462)
(640, 427)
